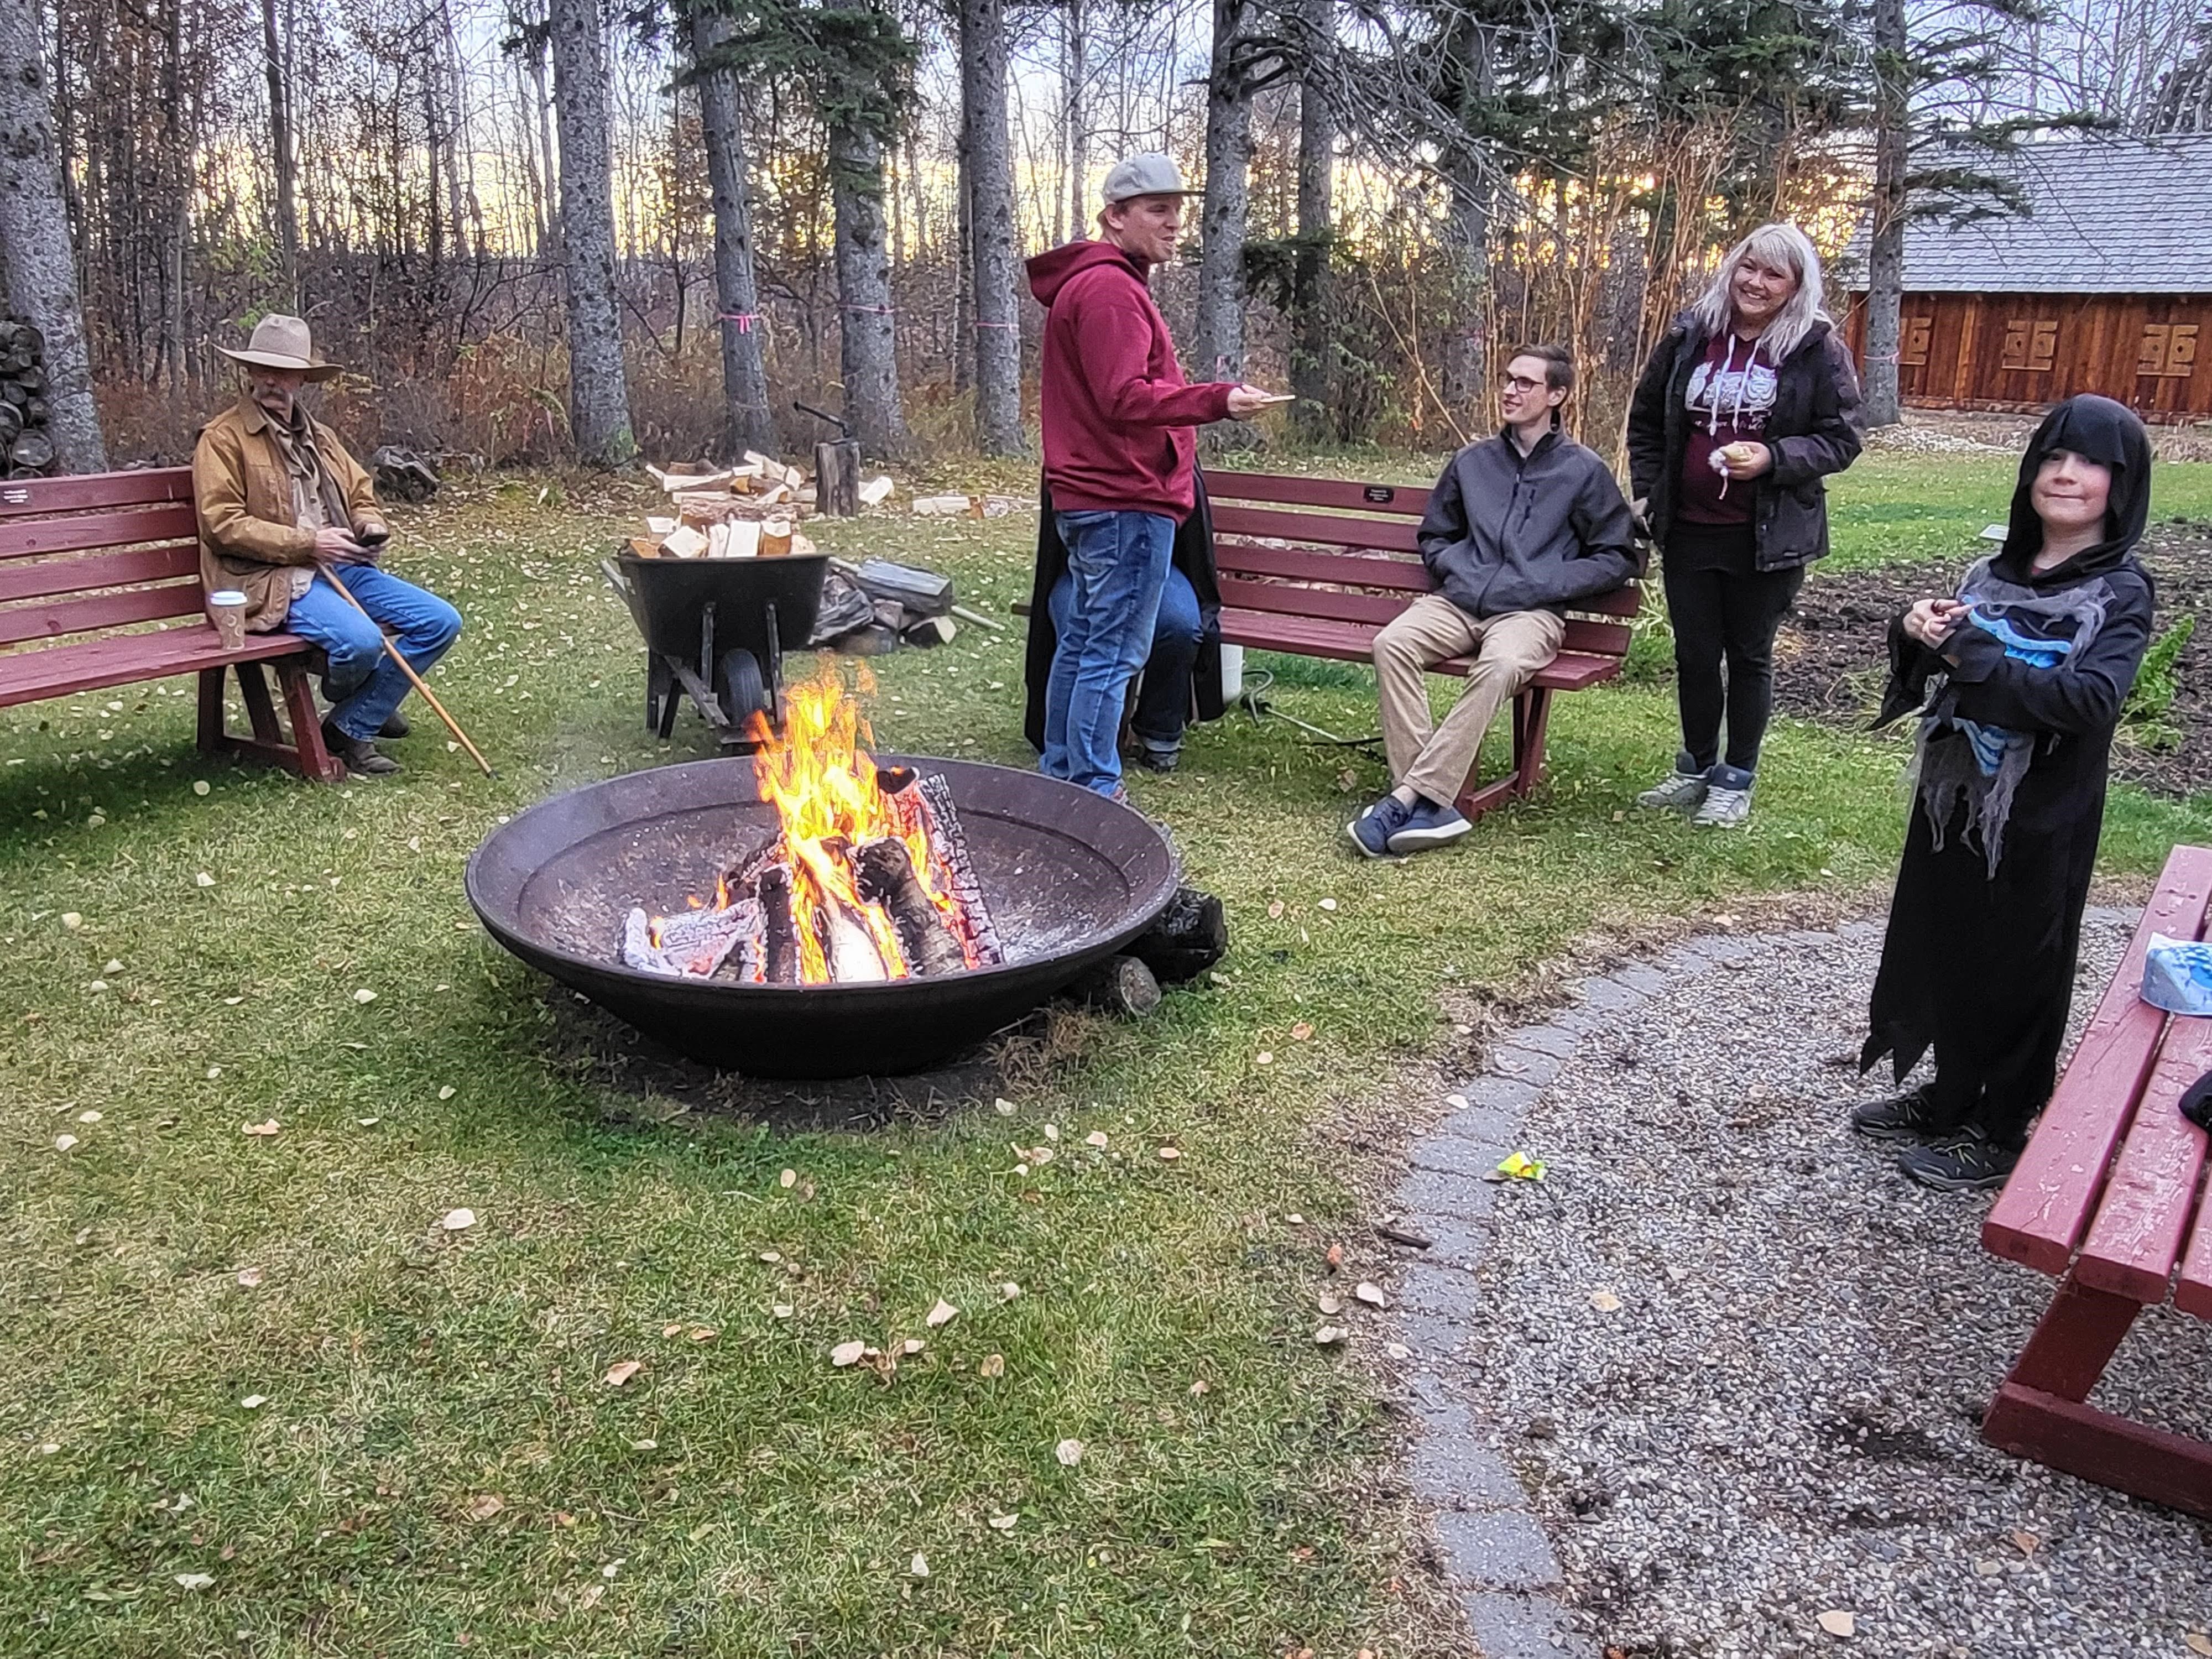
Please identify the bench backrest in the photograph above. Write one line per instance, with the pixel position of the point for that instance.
(106, 549)
(1323, 547)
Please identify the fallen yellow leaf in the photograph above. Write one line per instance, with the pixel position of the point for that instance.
(261, 1130)
(1301, 1032)
(1605, 1302)
(995, 1364)
(943, 1313)
(483, 1508)
(1836, 1622)
(1069, 1452)
(847, 1354)
(622, 1371)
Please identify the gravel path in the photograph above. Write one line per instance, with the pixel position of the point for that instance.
(1737, 1362)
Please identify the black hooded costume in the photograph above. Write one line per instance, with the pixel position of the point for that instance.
(2009, 798)
(1192, 555)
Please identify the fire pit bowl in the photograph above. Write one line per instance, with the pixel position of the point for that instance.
(1070, 878)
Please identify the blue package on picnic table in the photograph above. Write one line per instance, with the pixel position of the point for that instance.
(2177, 975)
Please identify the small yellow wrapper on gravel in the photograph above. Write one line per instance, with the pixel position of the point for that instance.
(1519, 1166)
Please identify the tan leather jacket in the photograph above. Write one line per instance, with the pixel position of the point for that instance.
(250, 536)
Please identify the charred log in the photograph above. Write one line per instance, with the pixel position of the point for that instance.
(883, 873)
(924, 802)
(779, 930)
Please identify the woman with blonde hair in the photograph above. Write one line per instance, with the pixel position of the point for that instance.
(1745, 407)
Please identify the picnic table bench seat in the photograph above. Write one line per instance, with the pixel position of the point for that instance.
(87, 562)
(2108, 1199)
(1317, 567)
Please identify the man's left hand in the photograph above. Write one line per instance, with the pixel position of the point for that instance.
(1746, 459)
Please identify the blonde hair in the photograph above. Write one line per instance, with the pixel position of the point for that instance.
(1785, 246)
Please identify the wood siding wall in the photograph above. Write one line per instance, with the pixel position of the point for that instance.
(2150, 351)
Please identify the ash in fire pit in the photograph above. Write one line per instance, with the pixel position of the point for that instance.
(867, 878)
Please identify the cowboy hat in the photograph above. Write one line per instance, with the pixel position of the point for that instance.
(283, 342)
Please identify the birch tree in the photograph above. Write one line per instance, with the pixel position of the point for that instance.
(737, 288)
(34, 240)
(990, 171)
(599, 395)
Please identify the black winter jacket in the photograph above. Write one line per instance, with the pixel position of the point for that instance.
(1814, 430)
(1506, 533)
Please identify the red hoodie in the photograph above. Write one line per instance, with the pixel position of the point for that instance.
(1119, 419)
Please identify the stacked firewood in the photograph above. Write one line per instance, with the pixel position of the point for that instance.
(26, 451)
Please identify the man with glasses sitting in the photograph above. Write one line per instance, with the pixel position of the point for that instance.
(1518, 527)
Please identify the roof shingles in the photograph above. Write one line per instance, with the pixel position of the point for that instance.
(2107, 215)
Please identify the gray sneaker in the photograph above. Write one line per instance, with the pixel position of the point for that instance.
(1678, 792)
(1722, 809)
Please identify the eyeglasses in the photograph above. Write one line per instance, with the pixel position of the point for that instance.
(1522, 383)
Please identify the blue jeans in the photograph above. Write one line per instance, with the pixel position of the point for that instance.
(364, 686)
(1163, 696)
(1117, 565)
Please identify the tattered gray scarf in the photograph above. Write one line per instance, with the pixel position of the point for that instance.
(1982, 765)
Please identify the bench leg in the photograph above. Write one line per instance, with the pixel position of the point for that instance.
(2041, 1414)
(304, 753)
(311, 755)
(1532, 714)
(211, 716)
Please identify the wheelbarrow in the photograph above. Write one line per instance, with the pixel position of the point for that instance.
(715, 631)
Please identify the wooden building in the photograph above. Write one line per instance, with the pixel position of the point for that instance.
(2104, 285)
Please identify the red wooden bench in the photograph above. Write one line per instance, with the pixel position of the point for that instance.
(87, 562)
(2106, 1199)
(1315, 567)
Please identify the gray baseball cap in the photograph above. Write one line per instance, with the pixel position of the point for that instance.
(1145, 175)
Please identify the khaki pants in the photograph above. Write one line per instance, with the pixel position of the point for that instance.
(1510, 650)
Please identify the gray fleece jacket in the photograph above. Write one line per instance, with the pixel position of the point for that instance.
(1506, 533)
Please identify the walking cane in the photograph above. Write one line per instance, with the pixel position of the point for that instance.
(407, 669)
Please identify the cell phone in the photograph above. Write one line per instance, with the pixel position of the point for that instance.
(374, 536)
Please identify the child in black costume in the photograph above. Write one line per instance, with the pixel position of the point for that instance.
(2029, 666)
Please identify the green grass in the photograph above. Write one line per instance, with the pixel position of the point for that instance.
(739, 1496)
(1895, 507)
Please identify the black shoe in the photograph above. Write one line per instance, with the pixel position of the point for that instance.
(1964, 1163)
(1156, 760)
(358, 754)
(1908, 1117)
(397, 726)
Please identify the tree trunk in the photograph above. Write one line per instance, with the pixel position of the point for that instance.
(1313, 332)
(867, 344)
(1466, 347)
(1218, 339)
(991, 183)
(964, 273)
(599, 397)
(539, 51)
(34, 241)
(1075, 70)
(1886, 251)
(280, 147)
(722, 128)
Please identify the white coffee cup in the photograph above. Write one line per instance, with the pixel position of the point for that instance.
(226, 609)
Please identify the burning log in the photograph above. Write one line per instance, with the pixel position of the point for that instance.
(882, 873)
(780, 932)
(847, 949)
(923, 804)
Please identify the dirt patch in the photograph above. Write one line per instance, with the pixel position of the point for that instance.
(1831, 658)
(1962, 431)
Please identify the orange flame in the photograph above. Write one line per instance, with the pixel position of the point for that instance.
(821, 781)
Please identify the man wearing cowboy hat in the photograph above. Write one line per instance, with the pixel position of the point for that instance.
(284, 512)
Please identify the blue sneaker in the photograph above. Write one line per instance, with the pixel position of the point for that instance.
(1429, 825)
(1372, 831)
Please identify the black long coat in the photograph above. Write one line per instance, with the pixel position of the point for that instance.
(1980, 966)
(1192, 555)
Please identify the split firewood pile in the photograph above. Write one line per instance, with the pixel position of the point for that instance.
(26, 451)
(753, 511)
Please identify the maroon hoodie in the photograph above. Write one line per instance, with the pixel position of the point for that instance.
(1119, 419)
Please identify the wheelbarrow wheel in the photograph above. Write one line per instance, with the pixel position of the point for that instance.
(740, 689)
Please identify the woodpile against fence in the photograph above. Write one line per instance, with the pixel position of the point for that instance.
(26, 451)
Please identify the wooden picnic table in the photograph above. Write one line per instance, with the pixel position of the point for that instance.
(2108, 1200)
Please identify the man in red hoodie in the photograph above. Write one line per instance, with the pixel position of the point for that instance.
(1120, 449)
